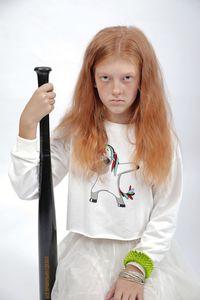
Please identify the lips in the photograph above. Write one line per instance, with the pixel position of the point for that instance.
(116, 100)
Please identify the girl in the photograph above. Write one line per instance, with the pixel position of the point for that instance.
(125, 175)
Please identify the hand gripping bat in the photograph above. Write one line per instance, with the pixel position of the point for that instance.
(46, 215)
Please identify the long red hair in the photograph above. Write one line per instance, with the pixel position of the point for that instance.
(84, 122)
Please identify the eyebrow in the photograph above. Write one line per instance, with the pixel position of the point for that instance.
(124, 74)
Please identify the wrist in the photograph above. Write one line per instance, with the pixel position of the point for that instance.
(133, 268)
(27, 128)
(142, 259)
(133, 276)
(28, 120)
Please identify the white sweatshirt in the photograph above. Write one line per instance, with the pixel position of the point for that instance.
(115, 205)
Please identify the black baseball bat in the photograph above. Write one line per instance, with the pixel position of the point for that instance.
(47, 236)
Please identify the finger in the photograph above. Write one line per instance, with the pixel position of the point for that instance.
(127, 297)
(47, 87)
(51, 101)
(48, 97)
(118, 295)
(51, 95)
(111, 292)
(133, 298)
(139, 297)
(51, 108)
(110, 295)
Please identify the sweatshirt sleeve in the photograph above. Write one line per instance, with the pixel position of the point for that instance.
(24, 166)
(155, 240)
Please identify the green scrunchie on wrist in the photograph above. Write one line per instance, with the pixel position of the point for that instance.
(139, 257)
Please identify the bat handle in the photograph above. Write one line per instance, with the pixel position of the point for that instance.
(43, 75)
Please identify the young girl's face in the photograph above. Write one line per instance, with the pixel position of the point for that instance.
(117, 81)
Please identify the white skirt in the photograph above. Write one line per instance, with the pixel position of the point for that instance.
(88, 267)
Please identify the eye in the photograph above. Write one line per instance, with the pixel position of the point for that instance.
(105, 78)
(128, 78)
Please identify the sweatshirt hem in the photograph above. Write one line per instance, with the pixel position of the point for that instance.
(106, 236)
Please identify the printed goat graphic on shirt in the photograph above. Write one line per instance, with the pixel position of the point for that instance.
(113, 165)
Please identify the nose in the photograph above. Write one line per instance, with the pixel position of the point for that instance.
(116, 89)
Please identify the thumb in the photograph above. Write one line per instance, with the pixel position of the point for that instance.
(111, 292)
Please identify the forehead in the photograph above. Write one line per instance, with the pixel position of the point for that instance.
(116, 65)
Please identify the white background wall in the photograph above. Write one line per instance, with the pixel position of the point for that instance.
(55, 33)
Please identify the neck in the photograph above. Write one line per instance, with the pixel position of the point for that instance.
(117, 119)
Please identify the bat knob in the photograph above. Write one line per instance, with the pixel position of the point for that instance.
(42, 69)
(43, 74)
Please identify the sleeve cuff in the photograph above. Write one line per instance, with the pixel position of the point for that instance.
(26, 150)
(25, 145)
